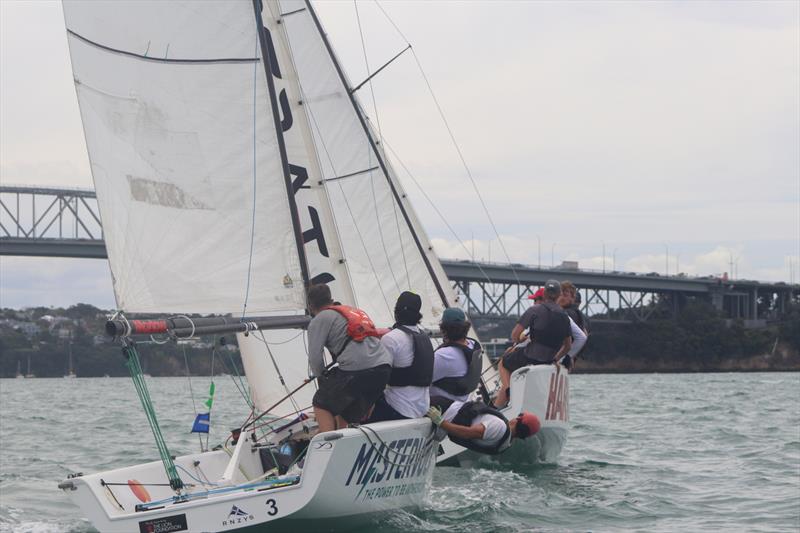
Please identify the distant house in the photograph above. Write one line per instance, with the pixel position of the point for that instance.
(29, 329)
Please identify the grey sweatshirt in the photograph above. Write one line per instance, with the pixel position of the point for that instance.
(328, 329)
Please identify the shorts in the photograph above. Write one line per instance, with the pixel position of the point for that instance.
(518, 358)
(383, 412)
(351, 394)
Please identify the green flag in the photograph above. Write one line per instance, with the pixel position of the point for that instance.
(210, 400)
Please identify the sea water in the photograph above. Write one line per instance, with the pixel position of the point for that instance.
(647, 452)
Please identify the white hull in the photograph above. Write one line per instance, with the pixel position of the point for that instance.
(542, 390)
(345, 474)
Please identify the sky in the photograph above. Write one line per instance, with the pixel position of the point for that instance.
(633, 136)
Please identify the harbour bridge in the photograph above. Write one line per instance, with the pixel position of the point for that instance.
(49, 222)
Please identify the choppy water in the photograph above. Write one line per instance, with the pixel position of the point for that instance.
(654, 452)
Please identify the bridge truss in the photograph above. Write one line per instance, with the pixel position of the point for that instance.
(39, 221)
(50, 222)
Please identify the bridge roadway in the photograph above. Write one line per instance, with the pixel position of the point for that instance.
(69, 226)
(456, 270)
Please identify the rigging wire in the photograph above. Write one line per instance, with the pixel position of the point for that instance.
(455, 143)
(372, 180)
(260, 334)
(349, 210)
(434, 207)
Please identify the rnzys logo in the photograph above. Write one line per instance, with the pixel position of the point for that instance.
(237, 516)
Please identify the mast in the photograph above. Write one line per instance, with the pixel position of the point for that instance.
(423, 252)
(266, 58)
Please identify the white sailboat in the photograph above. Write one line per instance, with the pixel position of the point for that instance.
(233, 167)
(71, 372)
(19, 374)
(539, 389)
(29, 374)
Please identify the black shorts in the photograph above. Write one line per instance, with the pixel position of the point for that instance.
(517, 359)
(351, 394)
(383, 412)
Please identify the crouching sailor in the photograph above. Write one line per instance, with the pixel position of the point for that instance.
(346, 393)
(407, 395)
(483, 429)
(457, 363)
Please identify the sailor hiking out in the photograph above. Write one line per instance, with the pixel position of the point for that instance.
(550, 333)
(456, 363)
(347, 392)
(483, 429)
(407, 395)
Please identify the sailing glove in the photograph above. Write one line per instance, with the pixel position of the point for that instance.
(435, 415)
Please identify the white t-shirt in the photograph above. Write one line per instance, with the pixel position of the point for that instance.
(412, 402)
(493, 428)
(449, 362)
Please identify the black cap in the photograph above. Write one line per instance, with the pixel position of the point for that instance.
(552, 287)
(408, 301)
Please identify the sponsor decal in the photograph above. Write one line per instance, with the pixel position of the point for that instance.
(165, 524)
(237, 516)
(376, 468)
(323, 446)
(558, 399)
(312, 232)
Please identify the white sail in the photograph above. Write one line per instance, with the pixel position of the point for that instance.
(386, 251)
(275, 361)
(185, 156)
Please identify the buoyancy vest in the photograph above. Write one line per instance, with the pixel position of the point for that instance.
(359, 325)
(550, 326)
(465, 417)
(461, 385)
(420, 372)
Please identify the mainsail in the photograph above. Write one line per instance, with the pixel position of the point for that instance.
(233, 165)
(184, 156)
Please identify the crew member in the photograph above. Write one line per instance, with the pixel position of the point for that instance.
(408, 394)
(538, 296)
(569, 299)
(550, 333)
(478, 427)
(457, 363)
(346, 393)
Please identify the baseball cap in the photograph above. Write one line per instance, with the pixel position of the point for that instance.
(552, 287)
(527, 424)
(536, 295)
(453, 315)
(408, 301)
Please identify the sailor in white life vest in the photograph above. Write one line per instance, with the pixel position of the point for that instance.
(456, 363)
(407, 395)
(483, 429)
(346, 393)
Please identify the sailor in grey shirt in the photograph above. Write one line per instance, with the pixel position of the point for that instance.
(329, 329)
(347, 392)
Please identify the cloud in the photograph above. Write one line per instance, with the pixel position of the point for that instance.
(633, 124)
(58, 282)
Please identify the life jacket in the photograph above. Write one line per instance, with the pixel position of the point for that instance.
(461, 385)
(550, 326)
(359, 325)
(465, 417)
(420, 372)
